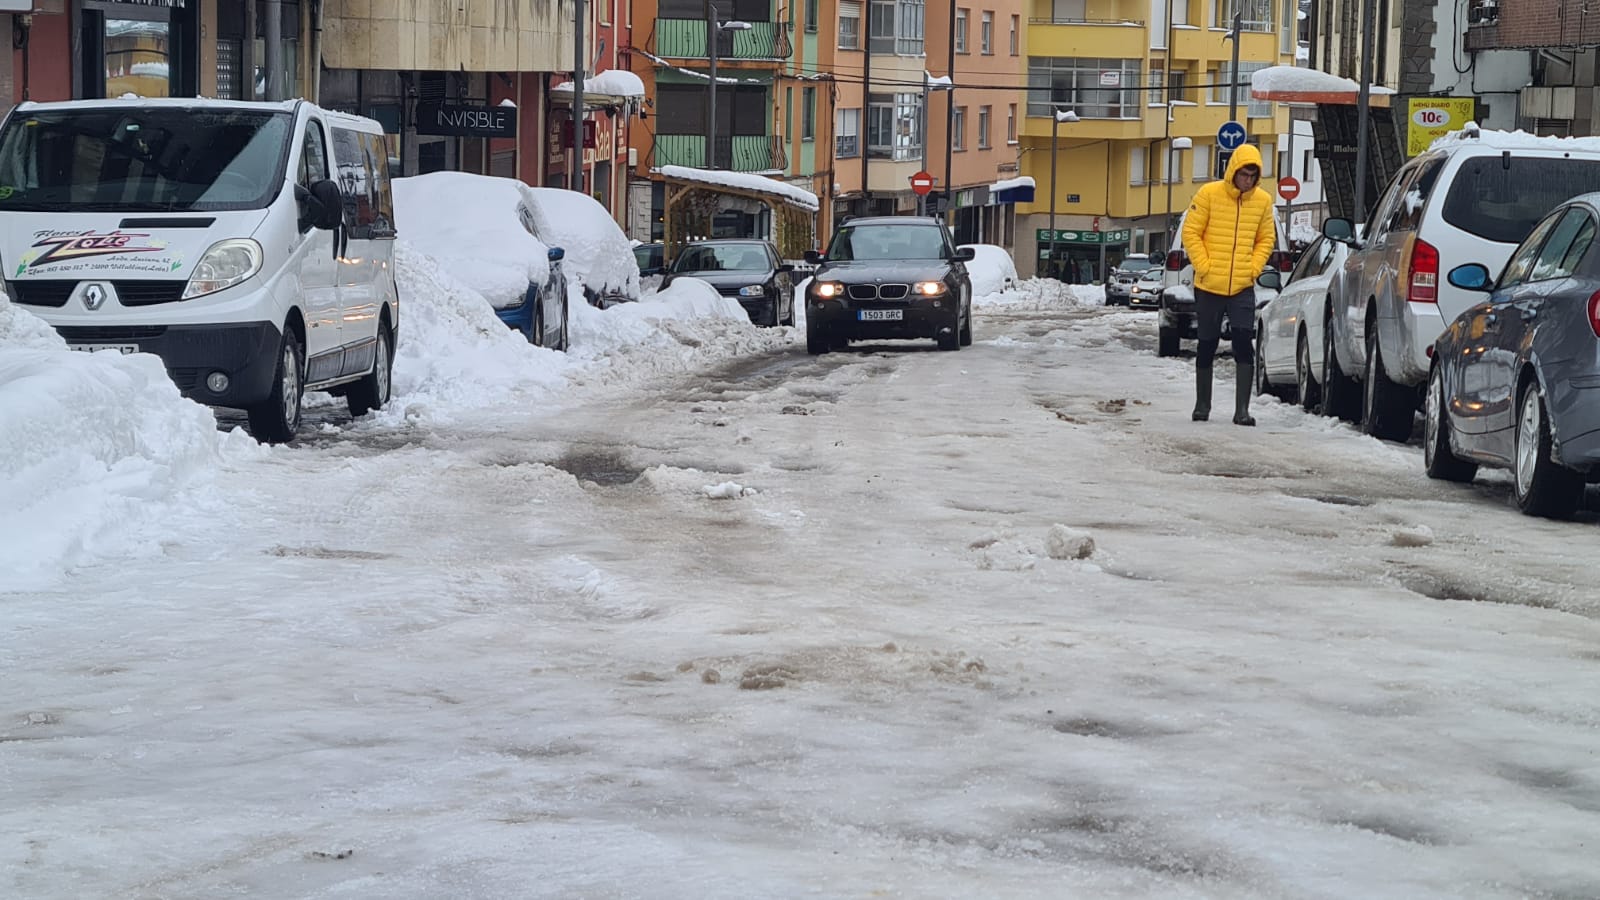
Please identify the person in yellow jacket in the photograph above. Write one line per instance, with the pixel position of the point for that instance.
(1228, 235)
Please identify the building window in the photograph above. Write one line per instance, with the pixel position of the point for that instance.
(1309, 167)
(1093, 88)
(1255, 15)
(849, 24)
(1202, 162)
(985, 113)
(847, 140)
(808, 114)
(1011, 124)
(958, 130)
(910, 15)
(880, 26)
(961, 30)
(1285, 164)
(1268, 155)
(1175, 86)
(1222, 91)
(811, 16)
(986, 36)
(1157, 76)
(1066, 12)
(893, 126)
(1138, 169)
(1016, 35)
(895, 26)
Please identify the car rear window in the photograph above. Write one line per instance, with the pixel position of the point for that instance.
(1501, 199)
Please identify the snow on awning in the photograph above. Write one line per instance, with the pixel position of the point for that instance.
(612, 87)
(1012, 190)
(1292, 84)
(744, 181)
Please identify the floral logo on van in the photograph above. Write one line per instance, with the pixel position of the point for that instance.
(59, 246)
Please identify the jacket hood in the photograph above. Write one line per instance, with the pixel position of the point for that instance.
(1246, 155)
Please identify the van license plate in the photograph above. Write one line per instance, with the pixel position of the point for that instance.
(120, 348)
(882, 315)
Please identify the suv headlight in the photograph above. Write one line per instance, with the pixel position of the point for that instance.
(226, 264)
(928, 288)
(752, 290)
(828, 290)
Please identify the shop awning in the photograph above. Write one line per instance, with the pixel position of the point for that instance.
(1012, 190)
(1293, 84)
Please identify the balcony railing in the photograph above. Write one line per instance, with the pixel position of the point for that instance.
(686, 39)
(735, 153)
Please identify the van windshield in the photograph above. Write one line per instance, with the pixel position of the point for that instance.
(124, 159)
(1501, 199)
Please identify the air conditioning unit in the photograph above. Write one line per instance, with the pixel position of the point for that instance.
(1483, 12)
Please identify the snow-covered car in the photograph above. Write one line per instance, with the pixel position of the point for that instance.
(1289, 327)
(991, 269)
(599, 256)
(1144, 293)
(475, 227)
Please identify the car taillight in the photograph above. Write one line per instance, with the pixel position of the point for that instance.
(1176, 261)
(1423, 285)
(1594, 313)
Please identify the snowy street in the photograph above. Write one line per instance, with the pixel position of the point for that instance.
(726, 620)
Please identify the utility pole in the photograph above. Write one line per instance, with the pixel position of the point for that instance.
(577, 97)
(712, 35)
(274, 41)
(949, 115)
(1233, 89)
(1363, 99)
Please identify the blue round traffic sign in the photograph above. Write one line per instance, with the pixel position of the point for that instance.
(1231, 136)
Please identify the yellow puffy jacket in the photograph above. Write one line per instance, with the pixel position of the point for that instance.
(1229, 235)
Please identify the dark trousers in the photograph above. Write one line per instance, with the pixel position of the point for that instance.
(1241, 312)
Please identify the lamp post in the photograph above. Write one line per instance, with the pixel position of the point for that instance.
(929, 85)
(714, 30)
(1173, 146)
(1233, 86)
(1061, 115)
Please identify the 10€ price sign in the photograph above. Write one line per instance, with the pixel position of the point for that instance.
(1433, 117)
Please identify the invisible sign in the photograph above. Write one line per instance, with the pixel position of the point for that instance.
(1430, 118)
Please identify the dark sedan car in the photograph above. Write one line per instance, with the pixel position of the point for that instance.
(749, 271)
(889, 277)
(1515, 380)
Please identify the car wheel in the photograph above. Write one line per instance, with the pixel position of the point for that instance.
(1339, 397)
(372, 392)
(788, 321)
(818, 341)
(966, 329)
(1307, 393)
(1386, 407)
(1167, 341)
(276, 419)
(1542, 487)
(1438, 459)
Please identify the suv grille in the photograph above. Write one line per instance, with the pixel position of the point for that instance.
(878, 291)
(55, 292)
(145, 293)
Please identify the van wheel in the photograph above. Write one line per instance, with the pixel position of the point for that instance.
(1386, 407)
(276, 419)
(1542, 487)
(1167, 341)
(372, 391)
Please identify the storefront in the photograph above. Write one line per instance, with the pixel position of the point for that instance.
(128, 47)
(1080, 257)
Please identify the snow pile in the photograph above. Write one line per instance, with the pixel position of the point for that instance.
(1296, 79)
(1412, 536)
(472, 225)
(95, 450)
(1043, 293)
(599, 255)
(1007, 184)
(728, 490)
(991, 269)
(1063, 542)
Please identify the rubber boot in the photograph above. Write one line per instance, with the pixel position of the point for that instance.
(1244, 380)
(1202, 394)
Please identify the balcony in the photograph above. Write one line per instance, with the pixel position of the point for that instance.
(686, 39)
(1069, 37)
(735, 153)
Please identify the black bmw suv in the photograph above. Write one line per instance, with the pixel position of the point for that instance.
(889, 277)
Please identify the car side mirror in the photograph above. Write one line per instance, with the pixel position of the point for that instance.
(1470, 277)
(556, 254)
(813, 257)
(786, 267)
(321, 206)
(1271, 278)
(965, 254)
(1340, 230)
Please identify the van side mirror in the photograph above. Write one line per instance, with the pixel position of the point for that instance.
(1271, 279)
(965, 254)
(556, 254)
(814, 257)
(1470, 277)
(321, 206)
(1339, 230)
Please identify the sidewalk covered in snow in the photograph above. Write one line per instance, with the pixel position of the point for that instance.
(694, 196)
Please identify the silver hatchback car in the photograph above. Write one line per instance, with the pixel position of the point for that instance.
(1515, 380)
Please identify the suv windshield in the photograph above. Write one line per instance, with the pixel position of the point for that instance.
(721, 257)
(888, 242)
(129, 158)
(1501, 202)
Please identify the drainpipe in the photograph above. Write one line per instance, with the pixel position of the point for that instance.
(274, 42)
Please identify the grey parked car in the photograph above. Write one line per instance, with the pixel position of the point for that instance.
(1515, 380)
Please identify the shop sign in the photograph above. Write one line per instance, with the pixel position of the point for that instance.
(1042, 236)
(466, 119)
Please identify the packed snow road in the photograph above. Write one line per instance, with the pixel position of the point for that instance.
(819, 626)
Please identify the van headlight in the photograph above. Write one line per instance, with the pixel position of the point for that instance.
(753, 290)
(226, 264)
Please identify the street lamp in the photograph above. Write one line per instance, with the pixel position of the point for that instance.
(1173, 146)
(930, 84)
(714, 30)
(1061, 115)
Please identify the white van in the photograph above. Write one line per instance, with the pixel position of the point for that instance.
(249, 245)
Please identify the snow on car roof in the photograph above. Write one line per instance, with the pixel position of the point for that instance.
(471, 225)
(598, 253)
(1472, 135)
(176, 102)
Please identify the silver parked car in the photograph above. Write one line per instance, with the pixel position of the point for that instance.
(1515, 380)
(1289, 327)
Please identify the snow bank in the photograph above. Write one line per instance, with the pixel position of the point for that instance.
(599, 255)
(1043, 293)
(95, 450)
(991, 270)
(472, 225)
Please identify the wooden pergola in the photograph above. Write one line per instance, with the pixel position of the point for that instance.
(695, 195)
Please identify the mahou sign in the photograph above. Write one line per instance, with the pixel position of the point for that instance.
(466, 119)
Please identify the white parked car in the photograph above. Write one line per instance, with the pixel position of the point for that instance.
(991, 269)
(1289, 327)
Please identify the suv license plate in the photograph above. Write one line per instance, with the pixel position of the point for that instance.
(881, 315)
(90, 348)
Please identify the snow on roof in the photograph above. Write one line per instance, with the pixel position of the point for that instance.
(1471, 133)
(1273, 82)
(939, 81)
(744, 181)
(1009, 183)
(610, 83)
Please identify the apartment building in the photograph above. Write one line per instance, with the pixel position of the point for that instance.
(1137, 74)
